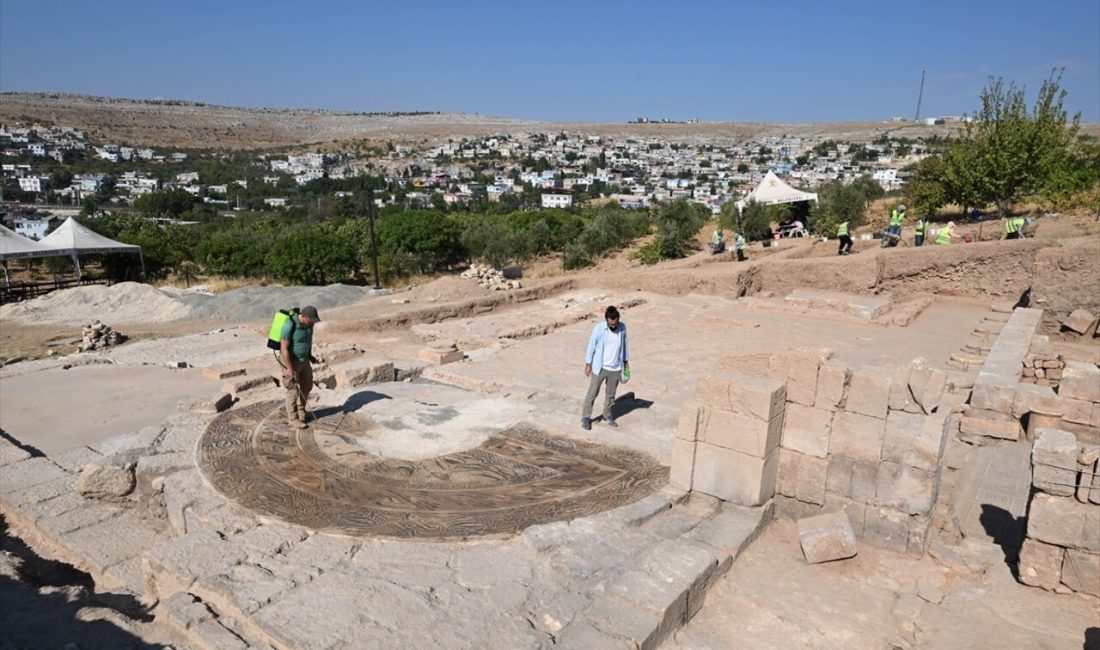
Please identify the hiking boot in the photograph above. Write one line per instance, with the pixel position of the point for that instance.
(303, 416)
(295, 423)
(586, 424)
(610, 421)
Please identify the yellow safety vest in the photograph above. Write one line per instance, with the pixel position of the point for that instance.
(896, 219)
(1013, 225)
(920, 228)
(842, 230)
(945, 236)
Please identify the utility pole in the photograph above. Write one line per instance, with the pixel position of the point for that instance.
(373, 244)
(920, 96)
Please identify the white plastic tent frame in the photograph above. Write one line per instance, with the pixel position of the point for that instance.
(773, 191)
(74, 239)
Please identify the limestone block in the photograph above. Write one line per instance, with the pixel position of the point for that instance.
(218, 374)
(1081, 572)
(1076, 410)
(1065, 522)
(1054, 462)
(806, 429)
(788, 472)
(732, 476)
(855, 510)
(832, 380)
(338, 353)
(363, 370)
(105, 481)
(758, 397)
(915, 440)
(176, 564)
(1031, 397)
(905, 488)
(869, 392)
(802, 375)
(1004, 429)
(11, 453)
(886, 528)
(236, 388)
(900, 397)
(927, 386)
(857, 436)
(994, 393)
(683, 463)
(920, 528)
(1080, 381)
(745, 434)
(1080, 321)
(688, 425)
(1040, 564)
(827, 537)
(74, 460)
(853, 479)
(810, 480)
(440, 357)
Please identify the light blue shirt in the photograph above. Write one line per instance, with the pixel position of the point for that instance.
(594, 353)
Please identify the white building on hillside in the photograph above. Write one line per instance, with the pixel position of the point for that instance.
(557, 200)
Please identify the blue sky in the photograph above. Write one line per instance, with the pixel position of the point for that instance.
(795, 61)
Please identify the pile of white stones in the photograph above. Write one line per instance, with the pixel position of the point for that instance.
(99, 335)
(490, 278)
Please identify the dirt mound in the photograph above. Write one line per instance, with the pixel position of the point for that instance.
(124, 302)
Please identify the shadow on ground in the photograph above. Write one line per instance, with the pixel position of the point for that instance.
(1007, 531)
(43, 601)
(352, 403)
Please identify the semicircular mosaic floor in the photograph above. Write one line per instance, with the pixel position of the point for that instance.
(323, 478)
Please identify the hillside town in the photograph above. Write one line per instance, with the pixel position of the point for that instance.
(529, 170)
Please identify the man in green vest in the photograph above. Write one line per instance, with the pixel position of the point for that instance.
(922, 225)
(845, 240)
(739, 246)
(946, 234)
(1014, 228)
(896, 219)
(296, 352)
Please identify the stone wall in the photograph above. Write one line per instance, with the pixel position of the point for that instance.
(820, 436)
(1061, 551)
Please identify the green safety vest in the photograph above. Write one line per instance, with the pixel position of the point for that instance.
(1013, 225)
(944, 237)
(920, 228)
(740, 242)
(842, 230)
(896, 218)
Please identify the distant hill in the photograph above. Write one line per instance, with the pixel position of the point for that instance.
(172, 123)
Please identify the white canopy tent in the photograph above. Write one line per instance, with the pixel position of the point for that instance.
(15, 246)
(74, 239)
(772, 190)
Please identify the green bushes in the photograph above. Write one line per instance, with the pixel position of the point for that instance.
(316, 255)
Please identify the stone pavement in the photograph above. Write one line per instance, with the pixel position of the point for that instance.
(990, 497)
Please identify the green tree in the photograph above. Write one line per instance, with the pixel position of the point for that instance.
(1016, 152)
(753, 222)
(421, 240)
(315, 255)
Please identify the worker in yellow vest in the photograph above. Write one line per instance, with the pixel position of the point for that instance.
(845, 240)
(922, 226)
(947, 233)
(897, 217)
(1014, 228)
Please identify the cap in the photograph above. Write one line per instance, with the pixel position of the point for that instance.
(311, 312)
(901, 207)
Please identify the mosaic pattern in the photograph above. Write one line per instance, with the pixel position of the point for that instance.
(322, 479)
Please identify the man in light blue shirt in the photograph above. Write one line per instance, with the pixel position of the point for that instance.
(604, 361)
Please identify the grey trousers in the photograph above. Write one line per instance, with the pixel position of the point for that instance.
(612, 379)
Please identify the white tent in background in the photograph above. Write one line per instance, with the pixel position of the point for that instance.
(772, 190)
(73, 239)
(15, 246)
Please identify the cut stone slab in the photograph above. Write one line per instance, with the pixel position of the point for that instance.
(1081, 572)
(832, 380)
(1080, 381)
(237, 388)
(827, 537)
(1054, 462)
(914, 440)
(219, 374)
(1080, 321)
(869, 392)
(862, 307)
(29, 472)
(440, 357)
(1040, 564)
(363, 370)
(806, 429)
(732, 476)
(748, 395)
(1064, 522)
(742, 433)
(857, 436)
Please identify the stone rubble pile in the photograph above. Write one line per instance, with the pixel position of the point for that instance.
(1041, 365)
(99, 335)
(490, 278)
